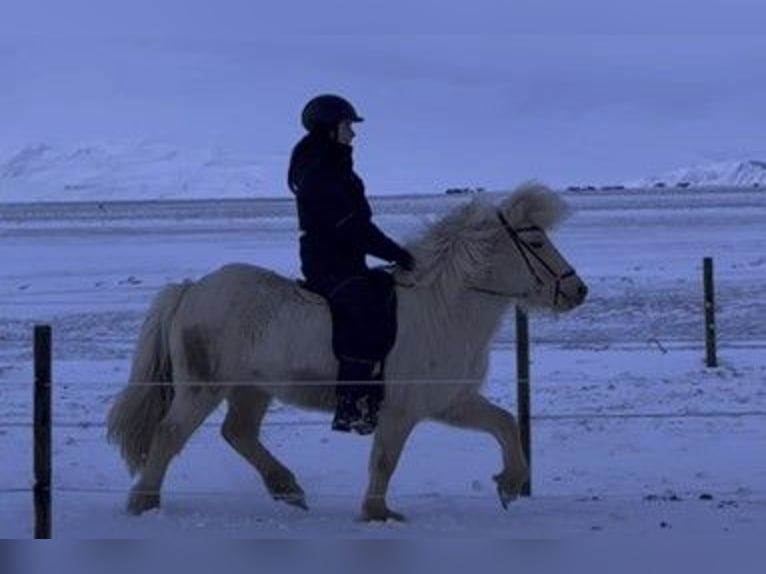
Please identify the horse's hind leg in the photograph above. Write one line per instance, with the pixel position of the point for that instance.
(190, 407)
(477, 413)
(247, 407)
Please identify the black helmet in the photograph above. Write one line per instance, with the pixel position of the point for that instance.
(325, 112)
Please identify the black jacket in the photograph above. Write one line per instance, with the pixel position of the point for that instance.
(333, 213)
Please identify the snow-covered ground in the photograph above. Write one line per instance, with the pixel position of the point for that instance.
(632, 433)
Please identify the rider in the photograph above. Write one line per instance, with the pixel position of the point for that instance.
(337, 235)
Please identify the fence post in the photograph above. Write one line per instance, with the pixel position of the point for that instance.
(710, 330)
(42, 431)
(522, 391)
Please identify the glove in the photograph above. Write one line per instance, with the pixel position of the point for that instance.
(405, 260)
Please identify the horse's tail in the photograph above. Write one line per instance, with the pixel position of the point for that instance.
(140, 406)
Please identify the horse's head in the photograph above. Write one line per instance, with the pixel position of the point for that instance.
(502, 250)
(525, 263)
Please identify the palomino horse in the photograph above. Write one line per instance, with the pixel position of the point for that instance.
(248, 335)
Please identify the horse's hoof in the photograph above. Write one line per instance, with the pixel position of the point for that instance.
(286, 489)
(293, 499)
(379, 513)
(139, 502)
(507, 489)
(506, 498)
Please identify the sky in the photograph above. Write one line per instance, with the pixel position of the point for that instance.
(486, 93)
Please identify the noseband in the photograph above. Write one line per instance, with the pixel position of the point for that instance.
(528, 253)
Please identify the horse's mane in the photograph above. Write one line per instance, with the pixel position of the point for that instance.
(458, 247)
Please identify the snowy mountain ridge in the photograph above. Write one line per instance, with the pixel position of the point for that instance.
(747, 173)
(128, 170)
(142, 170)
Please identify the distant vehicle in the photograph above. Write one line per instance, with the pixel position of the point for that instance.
(683, 184)
(659, 184)
(612, 187)
(573, 188)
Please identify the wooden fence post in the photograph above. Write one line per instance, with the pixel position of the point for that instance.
(42, 431)
(710, 331)
(522, 391)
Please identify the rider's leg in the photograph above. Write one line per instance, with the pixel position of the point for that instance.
(359, 396)
(357, 326)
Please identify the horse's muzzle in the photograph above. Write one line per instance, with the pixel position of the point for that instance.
(570, 292)
(582, 293)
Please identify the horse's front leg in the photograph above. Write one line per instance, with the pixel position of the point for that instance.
(390, 436)
(477, 413)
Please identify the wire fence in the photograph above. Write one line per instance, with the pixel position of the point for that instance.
(721, 500)
(45, 424)
(84, 425)
(558, 417)
(668, 494)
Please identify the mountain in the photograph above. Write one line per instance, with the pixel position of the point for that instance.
(141, 170)
(129, 170)
(748, 173)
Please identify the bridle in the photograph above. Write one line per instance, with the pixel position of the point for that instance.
(528, 253)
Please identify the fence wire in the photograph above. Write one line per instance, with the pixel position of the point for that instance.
(722, 498)
(322, 423)
(84, 425)
(221, 385)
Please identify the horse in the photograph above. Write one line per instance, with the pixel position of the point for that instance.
(248, 335)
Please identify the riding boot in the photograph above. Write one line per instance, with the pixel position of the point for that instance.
(357, 404)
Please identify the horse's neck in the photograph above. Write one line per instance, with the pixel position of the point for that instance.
(482, 314)
(469, 317)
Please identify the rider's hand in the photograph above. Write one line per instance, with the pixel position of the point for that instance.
(405, 260)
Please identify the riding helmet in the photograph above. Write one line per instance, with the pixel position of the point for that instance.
(325, 112)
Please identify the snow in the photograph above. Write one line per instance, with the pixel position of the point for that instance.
(632, 434)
